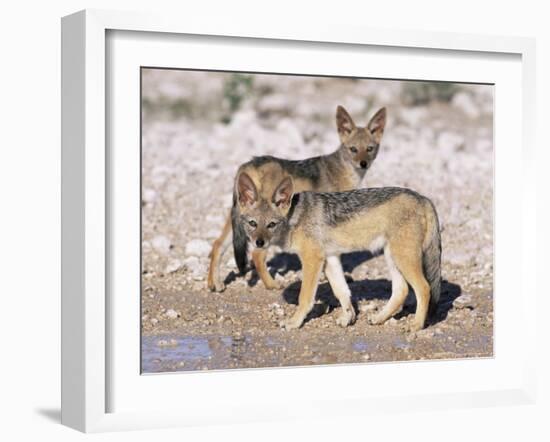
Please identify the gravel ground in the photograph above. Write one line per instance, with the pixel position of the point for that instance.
(198, 128)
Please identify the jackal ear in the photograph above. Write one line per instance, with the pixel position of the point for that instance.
(377, 124)
(246, 189)
(283, 194)
(344, 123)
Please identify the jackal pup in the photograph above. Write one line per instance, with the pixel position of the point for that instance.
(343, 169)
(321, 226)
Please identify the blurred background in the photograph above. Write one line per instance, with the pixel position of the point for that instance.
(198, 127)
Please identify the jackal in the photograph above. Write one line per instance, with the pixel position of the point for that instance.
(343, 169)
(321, 226)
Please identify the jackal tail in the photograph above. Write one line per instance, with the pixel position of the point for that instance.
(431, 256)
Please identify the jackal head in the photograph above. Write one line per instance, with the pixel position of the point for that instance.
(360, 144)
(264, 219)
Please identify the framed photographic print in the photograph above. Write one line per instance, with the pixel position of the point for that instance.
(250, 212)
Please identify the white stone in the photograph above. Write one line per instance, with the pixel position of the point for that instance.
(149, 195)
(215, 219)
(161, 244)
(173, 266)
(167, 343)
(449, 142)
(192, 264)
(213, 233)
(172, 314)
(197, 247)
(463, 301)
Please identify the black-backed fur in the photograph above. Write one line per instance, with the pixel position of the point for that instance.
(308, 169)
(341, 206)
(240, 240)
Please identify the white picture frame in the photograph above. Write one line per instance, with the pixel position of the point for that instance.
(86, 203)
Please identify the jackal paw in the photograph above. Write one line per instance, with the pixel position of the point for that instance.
(346, 317)
(376, 319)
(291, 323)
(216, 286)
(274, 285)
(415, 326)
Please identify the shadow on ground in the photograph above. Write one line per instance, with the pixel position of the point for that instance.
(282, 263)
(370, 289)
(367, 289)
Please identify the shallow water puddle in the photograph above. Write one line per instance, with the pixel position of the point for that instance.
(169, 353)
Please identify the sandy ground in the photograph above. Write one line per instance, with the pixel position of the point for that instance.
(195, 137)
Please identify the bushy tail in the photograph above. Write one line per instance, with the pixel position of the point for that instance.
(240, 242)
(431, 256)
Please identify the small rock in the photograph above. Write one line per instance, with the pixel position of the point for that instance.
(450, 142)
(154, 321)
(149, 196)
(167, 343)
(161, 244)
(458, 258)
(214, 219)
(194, 266)
(212, 234)
(173, 266)
(237, 336)
(463, 301)
(172, 314)
(197, 247)
(276, 309)
(365, 357)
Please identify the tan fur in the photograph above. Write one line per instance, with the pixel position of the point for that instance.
(218, 248)
(312, 258)
(401, 226)
(258, 257)
(341, 171)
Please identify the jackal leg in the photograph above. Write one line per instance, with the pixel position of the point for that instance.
(259, 257)
(399, 291)
(312, 265)
(340, 288)
(218, 249)
(410, 265)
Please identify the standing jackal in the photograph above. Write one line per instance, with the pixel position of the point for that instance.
(321, 226)
(343, 169)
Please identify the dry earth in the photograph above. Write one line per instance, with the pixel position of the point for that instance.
(197, 129)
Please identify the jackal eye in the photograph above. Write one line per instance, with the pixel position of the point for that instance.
(370, 148)
(353, 149)
(271, 225)
(253, 223)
